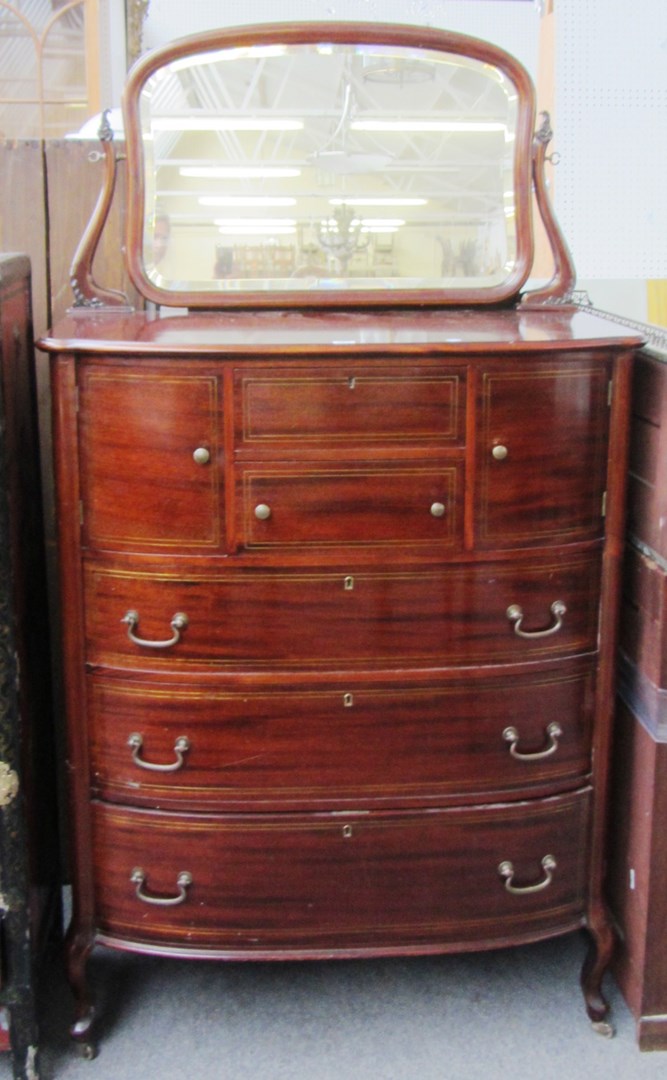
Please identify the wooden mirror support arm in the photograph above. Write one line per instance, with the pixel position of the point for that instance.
(559, 290)
(87, 293)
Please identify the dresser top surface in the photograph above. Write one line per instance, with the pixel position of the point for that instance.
(449, 331)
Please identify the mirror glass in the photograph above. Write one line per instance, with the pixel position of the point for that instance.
(327, 167)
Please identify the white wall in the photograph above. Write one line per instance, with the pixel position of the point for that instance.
(512, 24)
(610, 111)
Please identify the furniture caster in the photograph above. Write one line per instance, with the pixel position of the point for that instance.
(603, 1028)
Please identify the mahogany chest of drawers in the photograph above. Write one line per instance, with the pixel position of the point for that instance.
(339, 615)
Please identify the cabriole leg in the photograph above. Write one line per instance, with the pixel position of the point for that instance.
(598, 958)
(79, 947)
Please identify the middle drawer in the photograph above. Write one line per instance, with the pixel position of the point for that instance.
(197, 746)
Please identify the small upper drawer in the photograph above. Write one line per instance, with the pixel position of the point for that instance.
(359, 505)
(346, 404)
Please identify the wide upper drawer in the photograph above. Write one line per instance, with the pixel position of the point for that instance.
(314, 882)
(199, 746)
(293, 619)
(348, 406)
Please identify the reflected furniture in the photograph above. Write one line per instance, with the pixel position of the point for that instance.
(638, 863)
(28, 824)
(339, 549)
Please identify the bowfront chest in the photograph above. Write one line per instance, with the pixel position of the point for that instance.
(340, 515)
(339, 600)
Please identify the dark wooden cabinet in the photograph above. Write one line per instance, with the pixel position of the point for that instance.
(339, 670)
(638, 862)
(28, 815)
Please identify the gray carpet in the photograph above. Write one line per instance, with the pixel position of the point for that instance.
(515, 1014)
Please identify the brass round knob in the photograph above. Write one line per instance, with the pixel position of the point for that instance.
(201, 455)
(438, 509)
(500, 452)
(262, 512)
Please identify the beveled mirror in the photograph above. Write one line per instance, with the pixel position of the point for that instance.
(329, 164)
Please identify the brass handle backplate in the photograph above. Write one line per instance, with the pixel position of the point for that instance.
(506, 871)
(515, 615)
(178, 623)
(553, 731)
(181, 746)
(183, 881)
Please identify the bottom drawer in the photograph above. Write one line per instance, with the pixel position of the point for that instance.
(307, 884)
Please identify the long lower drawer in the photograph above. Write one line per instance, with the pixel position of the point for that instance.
(321, 619)
(311, 883)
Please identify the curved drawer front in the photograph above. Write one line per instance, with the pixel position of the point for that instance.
(379, 504)
(542, 453)
(247, 620)
(144, 484)
(316, 882)
(199, 746)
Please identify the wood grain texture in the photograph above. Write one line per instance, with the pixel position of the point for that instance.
(348, 658)
(321, 881)
(306, 748)
(245, 620)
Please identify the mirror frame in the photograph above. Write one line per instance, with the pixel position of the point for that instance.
(343, 33)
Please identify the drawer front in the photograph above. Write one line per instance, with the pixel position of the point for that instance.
(249, 620)
(315, 882)
(380, 505)
(141, 486)
(345, 405)
(542, 454)
(199, 746)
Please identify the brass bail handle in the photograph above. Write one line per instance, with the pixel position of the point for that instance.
(181, 747)
(506, 871)
(515, 615)
(183, 882)
(178, 623)
(553, 732)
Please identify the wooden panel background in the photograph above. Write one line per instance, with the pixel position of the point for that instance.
(48, 191)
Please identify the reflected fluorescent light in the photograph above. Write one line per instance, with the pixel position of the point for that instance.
(225, 123)
(378, 202)
(375, 229)
(256, 230)
(384, 223)
(259, 223)
(234, 172)
(427, 125)
(246, 200)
